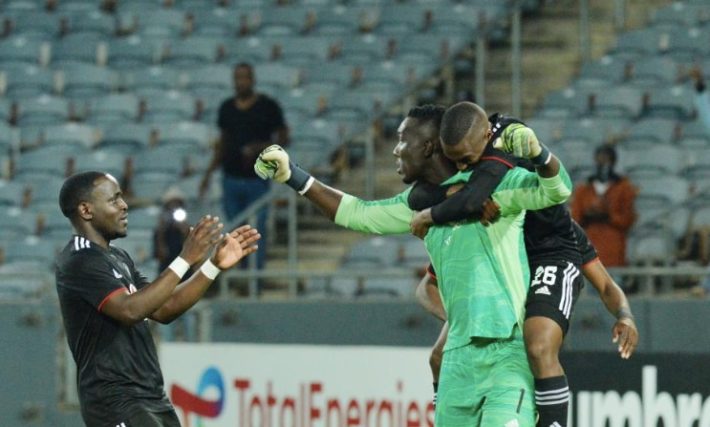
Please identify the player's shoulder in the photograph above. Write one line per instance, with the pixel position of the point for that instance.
(77, 251)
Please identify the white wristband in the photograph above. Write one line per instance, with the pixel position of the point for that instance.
(179, 266)
(308, 185)
(210, 270)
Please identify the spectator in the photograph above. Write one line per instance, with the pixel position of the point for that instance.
(604, 207)
(172, 228)
(248, 123)
(702, 100)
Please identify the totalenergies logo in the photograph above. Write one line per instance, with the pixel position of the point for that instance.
(194, 403)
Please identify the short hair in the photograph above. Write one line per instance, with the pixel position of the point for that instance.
(607, 149)
(428, 113)
(76, 189)
(246, 65)
(458, 120)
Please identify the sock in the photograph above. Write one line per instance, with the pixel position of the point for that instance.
(436, 388)
(552, 400)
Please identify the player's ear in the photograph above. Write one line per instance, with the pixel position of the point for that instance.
(430, 146)
(85, 211)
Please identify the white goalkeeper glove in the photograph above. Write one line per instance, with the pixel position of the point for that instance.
(273, 163)
(521, 141)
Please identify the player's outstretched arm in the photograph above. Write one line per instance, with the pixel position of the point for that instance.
(624, 332)
(130, 309)
(227, 253)
(388, 216)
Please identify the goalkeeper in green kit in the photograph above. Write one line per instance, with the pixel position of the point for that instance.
(482, 271)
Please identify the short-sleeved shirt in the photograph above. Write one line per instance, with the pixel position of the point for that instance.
(240, 128)
(585, 247)
(117, 366)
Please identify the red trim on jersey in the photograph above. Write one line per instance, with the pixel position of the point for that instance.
(592, 261)
(498, 159)
(430, 273)
(109, 296)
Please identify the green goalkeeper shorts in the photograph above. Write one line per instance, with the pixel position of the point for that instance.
(487, 383)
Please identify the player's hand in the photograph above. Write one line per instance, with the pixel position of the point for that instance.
(626, 335)
(201, 238)
(520, 141)
(491, 212)
(419, 226)
(273, 163)
(235, 246)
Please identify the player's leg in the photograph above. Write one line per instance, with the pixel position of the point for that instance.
(458, 400)
(551, 298)
(437, 354)
(508, 385)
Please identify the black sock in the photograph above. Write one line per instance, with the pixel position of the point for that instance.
(552, 400)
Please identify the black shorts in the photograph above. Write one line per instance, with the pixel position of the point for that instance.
(150, 419)
(554, 288)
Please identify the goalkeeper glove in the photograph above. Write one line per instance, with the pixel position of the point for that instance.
(521, 141)
(273, 163)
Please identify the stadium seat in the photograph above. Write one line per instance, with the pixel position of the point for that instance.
(145, 219)
(304, 51)
(193, 52)
(146, 81)
(650, 131)
(618, 101)
(168, 107)
(289, 21)
(608, 68)
(29, 81)
(637, 43)
(649, 245)
(153, 159)
(694, 134)
(403, 19)
(131, 53)
(159, 23)
(347, 20)
(82, 47)
(675, 102)
(23, 49)
(39, 25)
(374, 252)
(42, 110)
(11, 193)
(210, 83)
(15, 223)
(661, 159)
(86, 81)
(92, 22)
(568, 102)
(662, 190)
(654, 71)
(49, 162)
(113, 109)
(149, 187)
(698, 165)
(213, 22)
(126, 137)
(31, 251)
(101, 160)
(71, 134)
(677, 14)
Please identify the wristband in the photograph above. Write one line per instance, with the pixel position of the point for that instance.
(543, 158)
(179, 266)
(299, 178)
(308, 185)
(210, 270)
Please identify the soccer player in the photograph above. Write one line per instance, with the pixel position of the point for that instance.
(105, 301)
(555, 260)
(624, 331)
(484, 270)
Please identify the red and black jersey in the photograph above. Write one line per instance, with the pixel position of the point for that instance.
(117, 366)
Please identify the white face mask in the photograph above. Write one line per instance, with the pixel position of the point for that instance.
(600, 187)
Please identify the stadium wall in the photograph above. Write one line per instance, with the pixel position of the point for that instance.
(668, 375)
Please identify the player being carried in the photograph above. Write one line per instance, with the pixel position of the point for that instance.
(485, 319)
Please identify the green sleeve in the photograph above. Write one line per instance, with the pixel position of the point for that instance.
(524, 190)
(387, 216)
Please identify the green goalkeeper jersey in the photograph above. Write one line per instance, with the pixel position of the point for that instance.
(482, 271)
